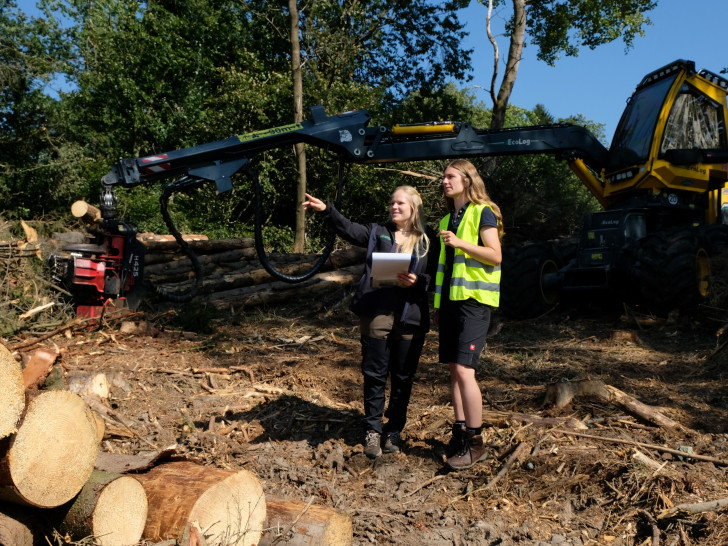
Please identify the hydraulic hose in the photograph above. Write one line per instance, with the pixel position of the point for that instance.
(263, 257)
(183, 183)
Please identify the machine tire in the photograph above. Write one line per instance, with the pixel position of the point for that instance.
(523, 294)
(673, 270)
(716, 236)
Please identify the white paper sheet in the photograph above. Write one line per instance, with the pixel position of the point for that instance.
(386, 265)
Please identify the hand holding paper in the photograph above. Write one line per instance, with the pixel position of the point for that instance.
(386, 265)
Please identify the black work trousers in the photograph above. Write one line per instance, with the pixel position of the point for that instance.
(391, 350)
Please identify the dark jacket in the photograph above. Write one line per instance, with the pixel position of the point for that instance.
(410, 305)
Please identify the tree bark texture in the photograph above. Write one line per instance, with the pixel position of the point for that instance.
(282, 291)
(303, 525)
(48, 460)
(229, 505)
(110, 507)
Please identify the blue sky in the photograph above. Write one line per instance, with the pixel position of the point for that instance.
(598, 82)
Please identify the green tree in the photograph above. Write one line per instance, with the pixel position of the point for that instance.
(555, 28)
(35, 154)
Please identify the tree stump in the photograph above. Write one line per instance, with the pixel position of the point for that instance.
(229, 506)
(110, 507)
(12, 392)
(291, 523)
(49, 459)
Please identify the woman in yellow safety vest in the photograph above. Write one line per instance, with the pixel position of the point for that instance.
(467, 289)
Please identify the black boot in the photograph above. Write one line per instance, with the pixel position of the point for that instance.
(457, 440)
(472, 452)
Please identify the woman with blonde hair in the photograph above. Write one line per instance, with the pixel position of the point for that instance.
(467, 289)
(393, 318)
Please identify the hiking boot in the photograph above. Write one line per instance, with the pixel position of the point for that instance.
(392, 443)
(457, 440)
(472, 452)
(372, 444)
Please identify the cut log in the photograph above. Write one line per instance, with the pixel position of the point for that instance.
(229, 506)
(294, 523)
(87, 213)
(153, 258)
(110, 507)
(49, 459)
(12, 392)
(282, 291)
(18, 528)
(167, 242)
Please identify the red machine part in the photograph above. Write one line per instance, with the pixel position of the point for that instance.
(89, 272)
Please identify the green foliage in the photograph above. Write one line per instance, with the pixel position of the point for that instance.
(540, 197)
(154, 77)
(396, 45)
(444, 104)
(563, 26)
(39, 168)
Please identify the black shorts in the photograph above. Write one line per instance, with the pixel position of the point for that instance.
(463, 328)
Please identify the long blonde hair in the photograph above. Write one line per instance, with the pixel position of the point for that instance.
(419, 243)
(475, 190)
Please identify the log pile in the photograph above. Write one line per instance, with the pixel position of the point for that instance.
(233, 275)
(54, 481)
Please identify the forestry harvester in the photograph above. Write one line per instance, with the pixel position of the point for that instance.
(661, 185)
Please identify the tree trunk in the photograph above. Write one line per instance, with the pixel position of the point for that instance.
(49, 459)
(154, 242)
(12, 392)
(252, 276)
(110, 507)
(515, 51)
(282, 291)
(299, 147)
(295, 523)
(229, 505)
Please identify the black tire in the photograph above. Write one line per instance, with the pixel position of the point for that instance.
(523, 291)
(673, 268)
(716, 236)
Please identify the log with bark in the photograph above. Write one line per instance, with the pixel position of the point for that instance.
(12, 392)
(87, 213)
(228, 505)
(561, 394)
(51, 456)
(112, 508)
(280, 291)
(18, 527)
(292, 522)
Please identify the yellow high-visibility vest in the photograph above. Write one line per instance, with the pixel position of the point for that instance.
(470, 278)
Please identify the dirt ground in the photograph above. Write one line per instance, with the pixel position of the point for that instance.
(278, 392)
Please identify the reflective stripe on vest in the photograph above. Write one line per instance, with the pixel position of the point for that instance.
(470, 278)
